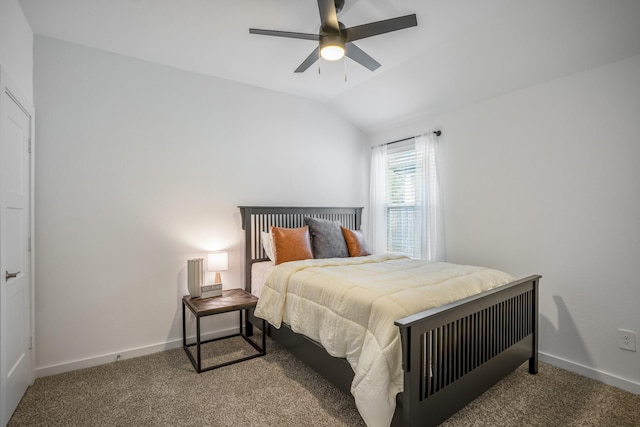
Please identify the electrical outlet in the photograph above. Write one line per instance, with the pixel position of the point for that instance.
(627, 340)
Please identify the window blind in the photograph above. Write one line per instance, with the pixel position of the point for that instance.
(403, 204)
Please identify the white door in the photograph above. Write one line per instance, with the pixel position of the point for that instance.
(15, 268)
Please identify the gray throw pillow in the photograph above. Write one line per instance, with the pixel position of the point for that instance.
(327, 240)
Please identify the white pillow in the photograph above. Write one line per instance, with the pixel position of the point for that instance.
(267, 244)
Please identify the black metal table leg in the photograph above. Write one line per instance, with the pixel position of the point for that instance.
(184, 328)
(198, 343)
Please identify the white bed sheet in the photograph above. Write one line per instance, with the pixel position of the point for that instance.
(259, 273)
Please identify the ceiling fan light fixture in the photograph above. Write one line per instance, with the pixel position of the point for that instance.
(332, 47)
(332, 53)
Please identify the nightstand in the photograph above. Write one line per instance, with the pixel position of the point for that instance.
(231, 300)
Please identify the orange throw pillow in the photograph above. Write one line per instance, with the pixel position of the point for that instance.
(291, 244)
(355, 242)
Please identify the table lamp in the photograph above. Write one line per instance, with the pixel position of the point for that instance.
(217, 262)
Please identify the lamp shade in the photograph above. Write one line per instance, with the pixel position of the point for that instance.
(217, 261)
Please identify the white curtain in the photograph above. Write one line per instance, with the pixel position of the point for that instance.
(430, 198)
(377, 200)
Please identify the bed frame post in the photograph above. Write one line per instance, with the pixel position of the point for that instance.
(533, 361)
(250, 319)
(245, 213)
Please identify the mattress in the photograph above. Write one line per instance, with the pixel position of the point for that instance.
(349, 305)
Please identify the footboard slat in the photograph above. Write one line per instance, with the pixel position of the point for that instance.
(454, 342)
(464, 348)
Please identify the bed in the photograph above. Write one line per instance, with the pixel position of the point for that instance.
(449, 354)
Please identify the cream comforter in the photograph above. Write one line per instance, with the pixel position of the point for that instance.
(349, 305)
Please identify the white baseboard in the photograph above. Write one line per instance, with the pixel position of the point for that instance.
(46, 371)
(592, 373)
(125, 354)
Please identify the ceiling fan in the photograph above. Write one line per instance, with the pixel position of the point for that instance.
(335, 40)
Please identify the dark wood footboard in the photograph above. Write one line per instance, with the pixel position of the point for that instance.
(452, 354)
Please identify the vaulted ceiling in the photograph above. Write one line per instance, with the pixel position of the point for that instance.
(461, 52)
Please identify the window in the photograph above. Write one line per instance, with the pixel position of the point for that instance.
(402, 201)
(406, 210)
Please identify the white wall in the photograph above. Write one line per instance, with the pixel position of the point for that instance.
(141, 167)
(546, 181)
(16, 46)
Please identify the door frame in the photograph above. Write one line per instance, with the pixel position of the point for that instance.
(8, 86)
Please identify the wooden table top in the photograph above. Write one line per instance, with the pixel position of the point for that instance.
(231, 300)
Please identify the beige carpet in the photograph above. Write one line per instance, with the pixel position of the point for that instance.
(277, 390)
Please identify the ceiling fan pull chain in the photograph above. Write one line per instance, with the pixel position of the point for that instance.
(345, 68)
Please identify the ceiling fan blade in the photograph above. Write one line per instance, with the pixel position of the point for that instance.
(287, 34)
(362, 58)
(328, 15)
(380, 27)
(313, 57)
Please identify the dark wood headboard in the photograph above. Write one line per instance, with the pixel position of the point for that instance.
(256, 219)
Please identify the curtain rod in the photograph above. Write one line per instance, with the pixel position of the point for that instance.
(435, 132)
